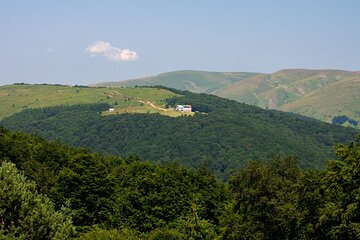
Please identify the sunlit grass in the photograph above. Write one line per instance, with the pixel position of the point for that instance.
(15, 98)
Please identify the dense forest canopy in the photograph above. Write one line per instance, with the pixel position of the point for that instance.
(223, 134)
(59, 192)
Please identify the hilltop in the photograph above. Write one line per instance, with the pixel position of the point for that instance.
(327, 95)
(17, 97)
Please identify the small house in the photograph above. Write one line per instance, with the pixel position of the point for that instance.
(183, 108)
(111, 109)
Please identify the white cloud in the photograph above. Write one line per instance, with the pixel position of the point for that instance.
(105, 49)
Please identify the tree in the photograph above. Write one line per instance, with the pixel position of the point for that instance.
(85, 184)
(340, 216)
(25, 214)
(189, 227)
(265, 201)
(113, 234)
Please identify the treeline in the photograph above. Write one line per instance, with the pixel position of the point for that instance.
(222, 136)
(72, 193)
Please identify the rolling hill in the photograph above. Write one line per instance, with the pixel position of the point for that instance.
(322, 94)
(17, 97)
(194, 81)
(223, 135)
(327, 95)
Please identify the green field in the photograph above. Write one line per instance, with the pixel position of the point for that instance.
(15, 98)
(147, 108)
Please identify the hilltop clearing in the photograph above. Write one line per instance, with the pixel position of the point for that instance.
(17, 97)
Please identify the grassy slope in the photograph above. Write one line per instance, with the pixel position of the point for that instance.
(322, 94)
(339, 98)
(15, 98)
(195, 81)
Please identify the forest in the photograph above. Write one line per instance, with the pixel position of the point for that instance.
(223, 135)
(53, 191)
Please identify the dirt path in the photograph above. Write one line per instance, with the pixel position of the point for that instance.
(152, 105)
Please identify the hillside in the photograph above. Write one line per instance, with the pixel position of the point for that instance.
(108, 197)
(99, 191)
(327, 95)
(322, 94)
(17, 97)
(228, 135)
(194, 81)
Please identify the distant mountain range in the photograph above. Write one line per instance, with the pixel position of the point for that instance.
(194, 81)
(327, 95)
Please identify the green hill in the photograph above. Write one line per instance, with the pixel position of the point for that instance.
(322, 94)
(223, 135)
(327, 95)
(52, 191)
(195, 81)
(17, 97)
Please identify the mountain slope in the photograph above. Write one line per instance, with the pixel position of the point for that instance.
(223, 138)
(322, 94)
(335, 99)
(195, 81)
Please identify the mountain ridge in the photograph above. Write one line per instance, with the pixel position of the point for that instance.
(191, 80)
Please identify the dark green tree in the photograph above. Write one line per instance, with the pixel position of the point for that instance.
(26, 214)
(85, 183)
(340, 216)
(265, 202)
(112, 234)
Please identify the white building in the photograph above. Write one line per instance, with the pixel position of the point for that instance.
(183, 108)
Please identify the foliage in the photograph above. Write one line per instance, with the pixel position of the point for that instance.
(340, 216)
(123, 198)
(113, 234)
(112, 193)
(86, 185)
(343, 119)
(265, 202)
(152, 196)
(26, 214)
(223, 139)
(340, 119)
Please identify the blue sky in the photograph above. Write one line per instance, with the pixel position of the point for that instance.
(84, 42)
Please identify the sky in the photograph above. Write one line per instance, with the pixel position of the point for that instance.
(87, 41)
